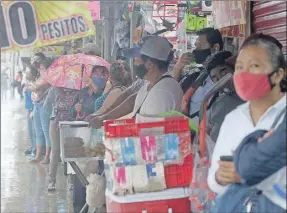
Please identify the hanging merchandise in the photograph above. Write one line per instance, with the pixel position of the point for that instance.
(209, 21)
(229, 13)
(194, 22)
(122, 30)
(181, 35)
(95, 9)
(167, 11)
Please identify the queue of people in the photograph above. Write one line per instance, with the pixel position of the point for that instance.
(251, 101)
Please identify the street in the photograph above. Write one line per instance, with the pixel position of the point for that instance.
(24, 185)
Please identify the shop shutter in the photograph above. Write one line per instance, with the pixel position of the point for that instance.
(269, 17)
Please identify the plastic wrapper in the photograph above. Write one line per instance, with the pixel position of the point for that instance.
(119, 180)
(166, 148)
(202, 198)
(89, 166)
(148, 178)
(96, 191)
(78, 140)
(135, 179)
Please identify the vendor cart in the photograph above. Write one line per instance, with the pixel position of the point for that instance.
(78, 129)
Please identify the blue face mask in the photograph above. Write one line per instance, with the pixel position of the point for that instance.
(99, 82)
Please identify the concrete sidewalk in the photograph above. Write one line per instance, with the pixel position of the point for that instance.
(24, 185)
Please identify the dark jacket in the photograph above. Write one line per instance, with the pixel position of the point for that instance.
(254, 163)
(267, 157)
(223, 105)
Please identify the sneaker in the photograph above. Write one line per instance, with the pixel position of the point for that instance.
(32, 156)
(27, 152)
(52, 186)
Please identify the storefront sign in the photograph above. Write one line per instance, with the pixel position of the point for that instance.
(95, 9)
(233, 31)
(229, 13)
(25, 24)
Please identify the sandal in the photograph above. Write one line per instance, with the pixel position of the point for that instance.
(34, 160)
(45, 161)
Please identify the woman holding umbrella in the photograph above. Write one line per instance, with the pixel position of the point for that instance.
(84, 78)
(84, 102)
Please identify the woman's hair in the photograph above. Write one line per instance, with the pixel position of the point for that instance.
(219, 59)
(47, 62)
(274, 50)
(120, 72)
(41, 55)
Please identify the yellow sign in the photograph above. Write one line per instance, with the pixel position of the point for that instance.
(195, 23)
(25, 24)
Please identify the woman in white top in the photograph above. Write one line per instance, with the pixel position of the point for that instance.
(259, 79)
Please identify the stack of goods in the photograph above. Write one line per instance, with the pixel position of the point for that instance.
(74, 147)
(80, 142)
(147, 158)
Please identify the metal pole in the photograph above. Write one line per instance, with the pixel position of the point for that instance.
(13, 71)
(131, 41)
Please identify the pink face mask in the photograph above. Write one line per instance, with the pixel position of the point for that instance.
(250, 86)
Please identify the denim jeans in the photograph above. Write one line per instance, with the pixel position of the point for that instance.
(31, 132)
(56, 150)
(42, 125)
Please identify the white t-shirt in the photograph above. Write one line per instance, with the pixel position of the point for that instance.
(165, 95)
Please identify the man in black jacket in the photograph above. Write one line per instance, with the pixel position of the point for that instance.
(209, 41)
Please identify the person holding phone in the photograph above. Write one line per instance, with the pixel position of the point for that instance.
(260, 79)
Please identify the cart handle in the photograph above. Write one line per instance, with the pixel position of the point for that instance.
(202, 113)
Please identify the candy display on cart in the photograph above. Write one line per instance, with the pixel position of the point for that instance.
(147, 156)
(131, 143)
(168, 148)
(135, 179)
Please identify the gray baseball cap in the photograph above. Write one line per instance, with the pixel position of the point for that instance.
(156, 47)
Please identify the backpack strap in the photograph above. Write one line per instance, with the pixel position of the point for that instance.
(277, 119)
(163, 77)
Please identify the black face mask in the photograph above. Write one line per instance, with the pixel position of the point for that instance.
(140, 70)
(201, 55)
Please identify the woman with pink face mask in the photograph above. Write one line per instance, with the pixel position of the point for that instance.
(260, 80)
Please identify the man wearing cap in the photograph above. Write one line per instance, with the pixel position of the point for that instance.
(162, 92)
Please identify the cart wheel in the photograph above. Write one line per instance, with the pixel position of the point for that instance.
(65, 168)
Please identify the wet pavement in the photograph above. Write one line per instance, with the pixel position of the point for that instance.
(24, 185)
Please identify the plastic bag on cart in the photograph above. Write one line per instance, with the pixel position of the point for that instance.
(89, 166)
(96, 191)
(202, 198)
